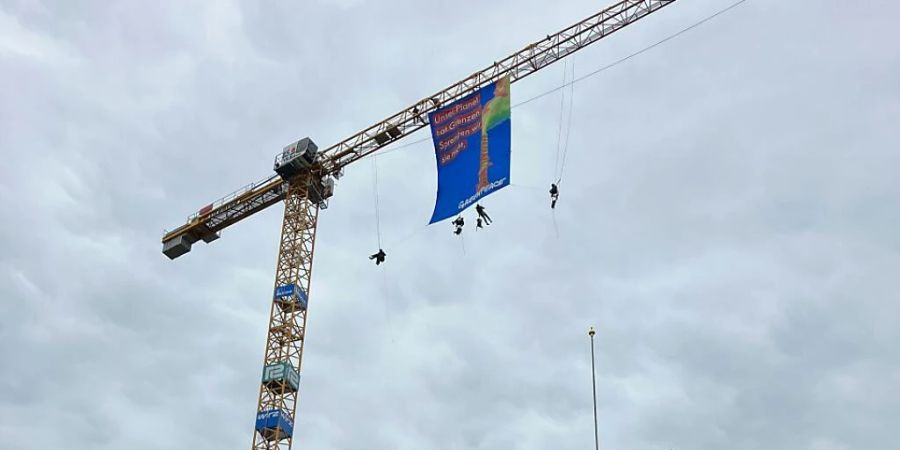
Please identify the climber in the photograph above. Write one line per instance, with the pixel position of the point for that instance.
(554, 195)
(458, 222)
(482, 214)
(378, 257)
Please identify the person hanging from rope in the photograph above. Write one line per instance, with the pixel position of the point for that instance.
(482, 214)
(459, 223)
(554, 195)
(378, 257)
(478, 223)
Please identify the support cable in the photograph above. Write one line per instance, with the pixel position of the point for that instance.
(595, 72)
(409, 236)
(643, 50)
(527, 186)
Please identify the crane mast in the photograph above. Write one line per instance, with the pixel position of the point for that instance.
(304, 181)
(279, 390)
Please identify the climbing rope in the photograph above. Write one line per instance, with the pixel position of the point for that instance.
(385, 293)
(555, 226)
(562, 144)
(562, 166)
(559, 127)
(375, 190)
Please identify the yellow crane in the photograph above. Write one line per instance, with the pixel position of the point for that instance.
(304, 180)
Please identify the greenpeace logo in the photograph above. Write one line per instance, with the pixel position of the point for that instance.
(465, 203)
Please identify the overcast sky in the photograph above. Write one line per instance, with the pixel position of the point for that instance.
(728, 221)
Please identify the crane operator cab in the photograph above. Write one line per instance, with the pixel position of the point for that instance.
(296, 158)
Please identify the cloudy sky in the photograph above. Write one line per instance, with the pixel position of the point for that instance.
(728, 222)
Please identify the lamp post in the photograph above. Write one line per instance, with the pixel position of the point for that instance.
(591, 333)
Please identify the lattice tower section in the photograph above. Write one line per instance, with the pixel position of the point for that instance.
(279, 389)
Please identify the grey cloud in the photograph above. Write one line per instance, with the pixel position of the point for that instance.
(727, 221)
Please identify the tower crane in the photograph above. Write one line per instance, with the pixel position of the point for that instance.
(304, 181)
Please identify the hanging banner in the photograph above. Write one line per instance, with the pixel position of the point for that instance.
(472, 138)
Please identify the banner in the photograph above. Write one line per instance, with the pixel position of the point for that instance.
(472, 139)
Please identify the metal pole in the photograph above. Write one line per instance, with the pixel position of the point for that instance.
(591, 333)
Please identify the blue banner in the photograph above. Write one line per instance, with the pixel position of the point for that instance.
(472, 141)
